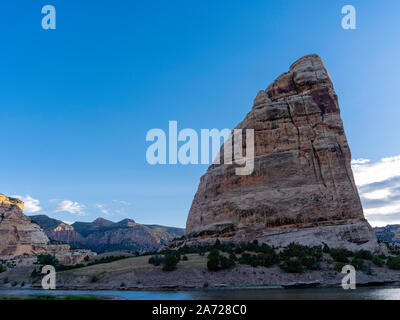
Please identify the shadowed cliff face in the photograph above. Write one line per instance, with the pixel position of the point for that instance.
(103, 236)
(302, 175)
(17, 234)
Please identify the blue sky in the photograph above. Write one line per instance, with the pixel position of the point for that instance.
(76, 102)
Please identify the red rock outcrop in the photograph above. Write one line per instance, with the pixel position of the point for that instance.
(18, 235)
(302, 188)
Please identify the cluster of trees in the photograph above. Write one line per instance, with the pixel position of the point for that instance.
(48, 259)
(217, 261)
(169, 261)
(294, 258)
(394, 263)
(356, 259)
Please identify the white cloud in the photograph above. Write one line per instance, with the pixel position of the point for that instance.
(377, 194)
(31, 205)
(122, 202)
(379, 186)
(359, 161)
(102, 209)
(71, 207)
(370, 172)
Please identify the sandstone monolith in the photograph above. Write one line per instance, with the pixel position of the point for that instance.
(302, 188)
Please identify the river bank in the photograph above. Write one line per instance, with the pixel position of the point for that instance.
(360, 293)
(136, 273)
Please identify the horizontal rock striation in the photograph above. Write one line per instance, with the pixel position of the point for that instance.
(102, 235)
(18, 235)
(302, 188)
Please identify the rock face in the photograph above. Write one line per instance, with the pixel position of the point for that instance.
(302, 188)
(103, 235)
(18, 235)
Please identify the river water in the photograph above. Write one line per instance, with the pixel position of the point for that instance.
(375, 293)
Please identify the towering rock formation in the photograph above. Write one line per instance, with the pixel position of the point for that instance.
(18, 235)
(302, 188)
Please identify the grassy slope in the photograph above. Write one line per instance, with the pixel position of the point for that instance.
(126, 265)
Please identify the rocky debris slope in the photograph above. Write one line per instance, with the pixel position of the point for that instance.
(103, 235)
(302, 188)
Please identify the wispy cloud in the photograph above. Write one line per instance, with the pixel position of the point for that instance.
(126, 203)
(103, 209)
(31, 205)
(360, 161)
(71, 207)
(379, 186)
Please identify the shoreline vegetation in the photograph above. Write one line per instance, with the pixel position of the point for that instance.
(240, 266)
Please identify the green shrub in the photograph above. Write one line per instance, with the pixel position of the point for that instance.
(297, 250)
(357, 263)
(364, 254)
(294, 250)
(156, 260)
(394, 263)
(295, 254)
(170, 262)
(340, 255)
(377, 261)
(246, 258)
(47, 259)
(339, 266)
(292, 265)
(310, 262)
(185, 258)
(2, 268)
(94, 278)
(213, 263)
(216, 262)
(267, 259)
(325, 249)
(34, 273)
(238, 250)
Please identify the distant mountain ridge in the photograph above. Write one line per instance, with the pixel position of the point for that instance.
(103, 235)
(389, 233)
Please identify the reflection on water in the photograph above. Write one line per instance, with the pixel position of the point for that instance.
(229, 294)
